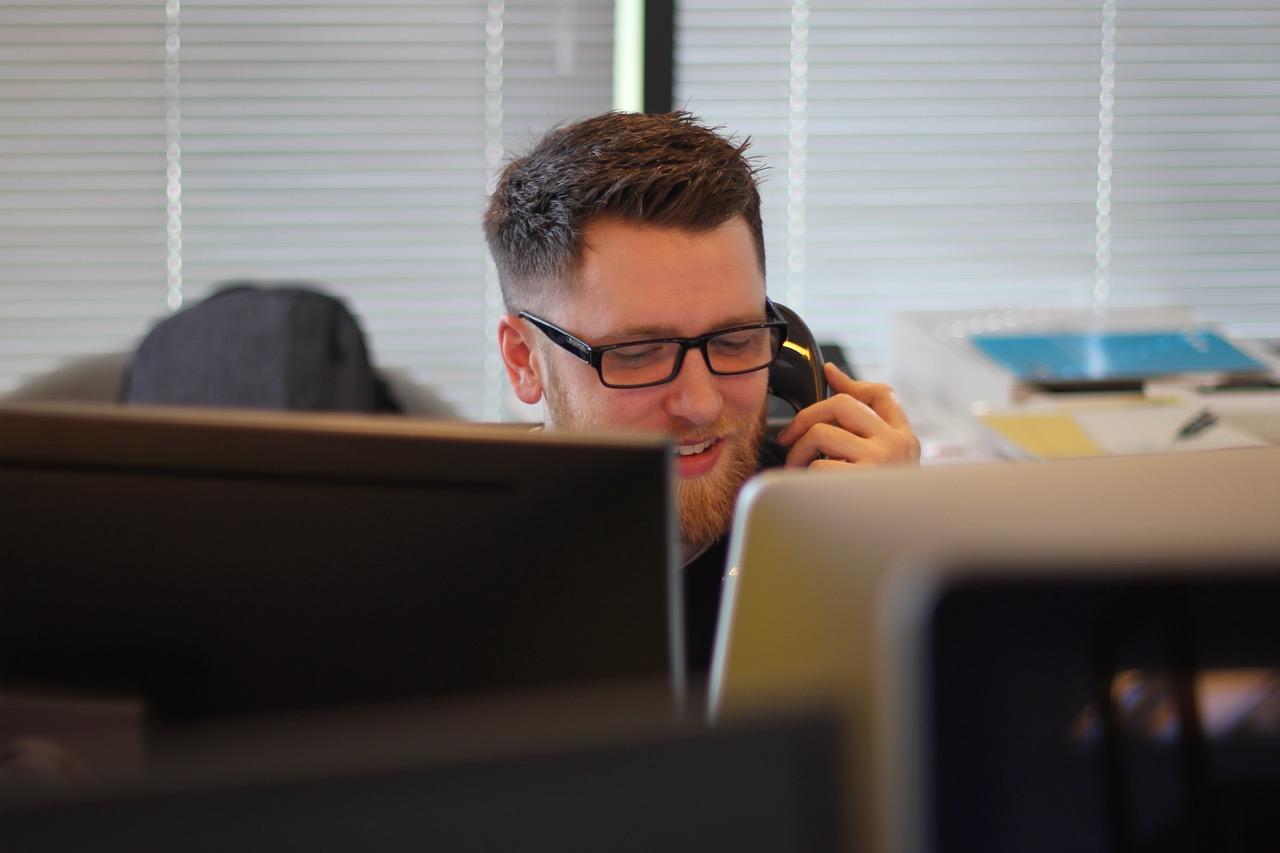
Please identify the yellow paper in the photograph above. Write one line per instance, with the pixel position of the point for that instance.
(1043, 435)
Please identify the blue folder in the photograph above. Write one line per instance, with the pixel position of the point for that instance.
(1104, 356)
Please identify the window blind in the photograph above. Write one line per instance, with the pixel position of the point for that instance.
(931, 155)
(1197, 160)
(345, 143)
(340, 143)
(82, 179)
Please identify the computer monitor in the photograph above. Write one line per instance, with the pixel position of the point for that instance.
(1125, 704)
(823, 603)
(769, 786)
(168, 568)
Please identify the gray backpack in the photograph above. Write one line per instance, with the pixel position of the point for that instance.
(283, 347)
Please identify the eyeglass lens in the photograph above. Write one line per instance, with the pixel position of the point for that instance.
(739, 351)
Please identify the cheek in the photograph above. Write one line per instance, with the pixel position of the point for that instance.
(745, 395)
(573, 395)
(590, 404)
(635, 407)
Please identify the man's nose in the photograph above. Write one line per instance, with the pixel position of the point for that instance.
(694, 394)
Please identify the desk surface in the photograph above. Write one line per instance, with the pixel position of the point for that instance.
(951, 436)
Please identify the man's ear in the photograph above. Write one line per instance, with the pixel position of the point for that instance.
(524, 366)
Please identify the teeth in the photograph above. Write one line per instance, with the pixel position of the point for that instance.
(693, 449)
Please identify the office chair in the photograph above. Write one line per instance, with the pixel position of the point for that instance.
(280, 347)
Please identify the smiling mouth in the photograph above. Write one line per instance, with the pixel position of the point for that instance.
(695, 449)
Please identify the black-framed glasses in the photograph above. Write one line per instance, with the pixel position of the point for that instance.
(639, 364)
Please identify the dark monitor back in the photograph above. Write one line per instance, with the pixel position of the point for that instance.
(1108, 710)
(770, 786)
(220, 564)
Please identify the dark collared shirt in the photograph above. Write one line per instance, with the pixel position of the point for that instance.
(703, 579)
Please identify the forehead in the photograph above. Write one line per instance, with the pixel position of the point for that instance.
(637, 280)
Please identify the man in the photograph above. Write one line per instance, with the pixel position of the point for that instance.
(626, 228)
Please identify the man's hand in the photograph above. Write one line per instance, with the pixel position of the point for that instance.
(860, 424)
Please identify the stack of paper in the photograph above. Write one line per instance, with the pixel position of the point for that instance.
(1134, 425)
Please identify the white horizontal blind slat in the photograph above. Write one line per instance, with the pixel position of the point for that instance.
(82, 240)
(1197, 162)
(323, 140)
(951, 152)
(337, 144)
(344, 144)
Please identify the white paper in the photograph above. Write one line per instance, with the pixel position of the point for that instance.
(1154, 429)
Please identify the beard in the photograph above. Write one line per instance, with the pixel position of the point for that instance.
(705, 504)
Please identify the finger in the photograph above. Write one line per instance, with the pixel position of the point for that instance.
(851, 414)
(879, 396)
(828, 440)
(832, 465)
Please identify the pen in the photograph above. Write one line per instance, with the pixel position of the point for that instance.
(1196, 424)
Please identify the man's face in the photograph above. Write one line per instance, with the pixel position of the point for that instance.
(639, 282)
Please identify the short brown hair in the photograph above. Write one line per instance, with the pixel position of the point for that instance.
(665, 170)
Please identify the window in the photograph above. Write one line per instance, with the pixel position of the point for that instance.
(929, 155)
(151, 150)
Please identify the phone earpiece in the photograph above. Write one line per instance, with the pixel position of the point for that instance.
(796, 375)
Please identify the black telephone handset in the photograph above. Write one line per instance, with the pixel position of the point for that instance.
(796, 377)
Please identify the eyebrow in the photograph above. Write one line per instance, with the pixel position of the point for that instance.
(636, 333)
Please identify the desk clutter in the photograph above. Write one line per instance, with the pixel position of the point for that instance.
(1059, 383)
(1117, 425)
(1057, 358)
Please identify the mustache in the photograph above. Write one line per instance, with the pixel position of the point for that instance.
(695, 436)
(724, 427)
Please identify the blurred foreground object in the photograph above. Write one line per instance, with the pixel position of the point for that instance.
(863, 590)
(168, 568)
(574, 771)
